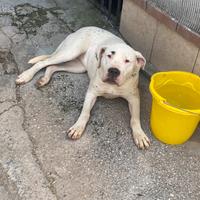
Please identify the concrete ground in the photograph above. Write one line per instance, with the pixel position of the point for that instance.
(36, 160)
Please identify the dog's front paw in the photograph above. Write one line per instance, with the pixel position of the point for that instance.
(141, 140)
(75, 131)
(24, 78)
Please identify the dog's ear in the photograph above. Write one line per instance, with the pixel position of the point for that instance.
(99, 53)
(140, 60)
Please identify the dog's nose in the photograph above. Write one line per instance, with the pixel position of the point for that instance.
(113, 72)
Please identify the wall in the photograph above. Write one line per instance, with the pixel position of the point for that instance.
(165, 43)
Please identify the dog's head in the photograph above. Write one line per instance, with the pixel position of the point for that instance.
(118, 62)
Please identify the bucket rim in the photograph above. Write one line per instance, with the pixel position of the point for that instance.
(175, 72)
(164, 101)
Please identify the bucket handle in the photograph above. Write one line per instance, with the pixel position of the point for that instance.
(182, 109)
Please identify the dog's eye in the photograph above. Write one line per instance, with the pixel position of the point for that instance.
(127, 61)
(109, 56)
(113, 52)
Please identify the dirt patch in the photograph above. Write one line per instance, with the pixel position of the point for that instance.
(7, 62)
(28, 18)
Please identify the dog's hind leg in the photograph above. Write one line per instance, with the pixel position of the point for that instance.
(38, 58)
(72, 47)
(74, 66)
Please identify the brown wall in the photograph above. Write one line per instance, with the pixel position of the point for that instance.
(164, 43)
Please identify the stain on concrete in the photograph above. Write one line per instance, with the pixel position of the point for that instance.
(28, 18)
(7, 62)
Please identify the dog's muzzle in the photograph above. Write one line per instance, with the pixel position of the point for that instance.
(112, 75)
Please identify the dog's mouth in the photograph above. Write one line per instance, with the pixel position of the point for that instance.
(110, 81)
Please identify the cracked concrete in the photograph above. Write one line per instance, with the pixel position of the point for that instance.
(21, 165)
(36, 160)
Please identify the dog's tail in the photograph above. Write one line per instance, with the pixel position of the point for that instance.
(37, 59)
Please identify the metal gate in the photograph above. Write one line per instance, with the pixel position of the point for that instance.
(186, 12)
(112, 9)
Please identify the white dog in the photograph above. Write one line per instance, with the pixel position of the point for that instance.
(112, 66)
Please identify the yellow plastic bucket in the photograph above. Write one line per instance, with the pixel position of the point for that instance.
(175, 110)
